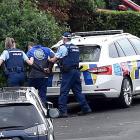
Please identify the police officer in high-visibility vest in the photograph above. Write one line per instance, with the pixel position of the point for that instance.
(13, 59)
(68, 56)
(40, 70)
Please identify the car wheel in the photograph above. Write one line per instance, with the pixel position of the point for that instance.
(125, 98)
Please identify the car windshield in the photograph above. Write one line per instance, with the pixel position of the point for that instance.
(24, 115)
(89, 53)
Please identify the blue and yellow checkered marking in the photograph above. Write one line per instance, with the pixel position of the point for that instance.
(89, 78)
(132, 67)
(137, 72)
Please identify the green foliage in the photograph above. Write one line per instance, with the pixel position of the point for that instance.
(80, 10)
(113, 4)
(137, 1)
(22, 20)
(58, 2)
(100, 3)
(109, 20)
(128, 21)
(86, 6)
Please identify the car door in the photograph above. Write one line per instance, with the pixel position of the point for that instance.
(135, 41)
(131, 61)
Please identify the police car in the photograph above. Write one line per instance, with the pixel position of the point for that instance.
(23, 117)
(110, 65)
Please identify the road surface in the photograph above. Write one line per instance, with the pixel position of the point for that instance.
(107, 122)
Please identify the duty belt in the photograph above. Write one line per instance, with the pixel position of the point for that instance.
(16, 69)
(74, 67)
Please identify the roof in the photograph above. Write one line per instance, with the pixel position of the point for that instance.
(93, 37)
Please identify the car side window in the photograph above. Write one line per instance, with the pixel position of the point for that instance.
(119, 49)
(126, 47)
(113, 51)
(136, 43)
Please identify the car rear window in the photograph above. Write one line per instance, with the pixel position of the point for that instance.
(113, 51)
(25, 115)
(89, 53)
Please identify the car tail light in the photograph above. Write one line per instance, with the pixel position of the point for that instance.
(105, 70)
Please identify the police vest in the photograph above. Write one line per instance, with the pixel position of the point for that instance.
(72, 58)
(15, 63)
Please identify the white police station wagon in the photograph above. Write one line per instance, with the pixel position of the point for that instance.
(110, 63)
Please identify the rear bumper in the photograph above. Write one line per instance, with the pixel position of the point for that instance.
(109, 93)
(106, 86)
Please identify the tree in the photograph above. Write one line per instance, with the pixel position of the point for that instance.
(22, 20)
(137, 1)
(112, 4)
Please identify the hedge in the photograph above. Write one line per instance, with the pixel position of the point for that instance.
(108, 20)
(23, 21)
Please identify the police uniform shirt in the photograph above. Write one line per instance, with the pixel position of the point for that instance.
(62, 51)
(68, 54)
(5, 55)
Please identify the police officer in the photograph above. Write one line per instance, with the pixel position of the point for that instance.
(13, 59)
(38, 76)
(68, 56)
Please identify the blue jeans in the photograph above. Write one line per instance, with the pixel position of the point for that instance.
(41, 85)
(71, 80)
(15, 79)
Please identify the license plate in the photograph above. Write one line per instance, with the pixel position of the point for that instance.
(56, 83)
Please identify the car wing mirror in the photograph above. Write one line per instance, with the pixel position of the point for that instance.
(49, 105)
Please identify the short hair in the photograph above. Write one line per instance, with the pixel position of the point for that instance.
(31, 43)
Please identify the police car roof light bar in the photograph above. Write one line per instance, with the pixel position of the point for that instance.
(94, 33)
(9, 96)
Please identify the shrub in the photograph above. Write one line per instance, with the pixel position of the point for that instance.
(22, 20)
(105, 20)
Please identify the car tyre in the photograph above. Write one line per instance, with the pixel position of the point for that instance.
(125, 98)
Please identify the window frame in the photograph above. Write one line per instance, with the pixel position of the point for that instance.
(124, 49)
(116, 43)
(115, 48)
(138, 52)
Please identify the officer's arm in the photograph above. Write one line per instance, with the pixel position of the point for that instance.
(28, 61)
(4, 56)
(49, 62)
(61, 52)
(1, 61)
(53, 60)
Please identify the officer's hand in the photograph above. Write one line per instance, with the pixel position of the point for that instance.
(49, 59)
(46, 70)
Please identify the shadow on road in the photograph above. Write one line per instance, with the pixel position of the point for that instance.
(101, 105)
